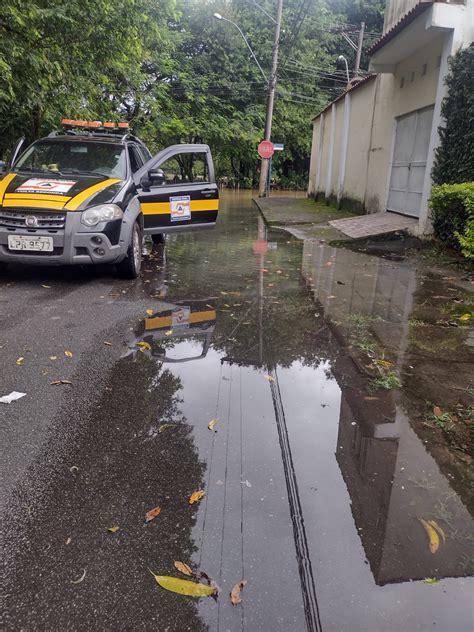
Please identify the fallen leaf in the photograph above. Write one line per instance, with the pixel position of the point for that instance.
(340, 282)
(328, 263)
(212, 424)
(432, 534)
(60, 382)
(331, 296)
(81, 578)
(440, 531)
(464, 317)
(68, 541)
(113, 529)
(68, 354)
(149, 312)
(151, 515)
(431, 581)
(210, 581)
(143, 345)
(196, 496)
(53, 357)
(74, 468)
(46, 286)
(20, 361)
(263, 270)
(109, 344)
(386, 364)
(183, 568)
(224, 293)
(183, 586)
(437, 412)
(169, 332)
(235, 597)
(269, 378)
(163, 427)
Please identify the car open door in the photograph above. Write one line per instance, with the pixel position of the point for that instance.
(177, 190)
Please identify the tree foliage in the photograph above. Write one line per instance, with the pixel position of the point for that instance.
(176, 73)
(454, 160)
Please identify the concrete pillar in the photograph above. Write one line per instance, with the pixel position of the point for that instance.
(331, 151)
(344, 144)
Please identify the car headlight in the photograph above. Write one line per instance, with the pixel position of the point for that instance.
(101, 213)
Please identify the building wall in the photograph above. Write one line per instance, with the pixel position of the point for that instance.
(374, 108)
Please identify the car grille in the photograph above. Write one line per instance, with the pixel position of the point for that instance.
(51, 222)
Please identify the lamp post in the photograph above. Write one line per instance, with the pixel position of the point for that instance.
(342, 58)
(271, 83)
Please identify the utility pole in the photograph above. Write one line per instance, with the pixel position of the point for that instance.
(262, 191)
(359, 49)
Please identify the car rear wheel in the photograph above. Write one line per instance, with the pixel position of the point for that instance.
(130, 267)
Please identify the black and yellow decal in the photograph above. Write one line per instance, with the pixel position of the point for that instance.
(159, 213)
(166, 321)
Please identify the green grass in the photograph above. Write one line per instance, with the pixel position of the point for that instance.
(385, 382)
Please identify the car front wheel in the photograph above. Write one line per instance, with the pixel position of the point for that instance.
(130, 267)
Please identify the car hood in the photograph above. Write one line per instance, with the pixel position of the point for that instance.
(71, 193)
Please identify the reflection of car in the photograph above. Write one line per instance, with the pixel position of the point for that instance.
(187, 319)
(89, 193)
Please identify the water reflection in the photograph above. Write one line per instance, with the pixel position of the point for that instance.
(393, 473)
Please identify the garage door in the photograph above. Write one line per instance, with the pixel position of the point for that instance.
(412, 139)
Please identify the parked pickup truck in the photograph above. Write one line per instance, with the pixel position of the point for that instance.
(90, 192)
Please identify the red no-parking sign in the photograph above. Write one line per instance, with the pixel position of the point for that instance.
(266, 149)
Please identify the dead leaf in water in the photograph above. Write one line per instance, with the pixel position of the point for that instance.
(437, 528)
(183, 568)
(151, 515)
(20, 361)
(113, 529)
(196, 496)
(464, 317)
(235, 597)
(432, 534)
(56, 382)
(183, 586)
(149, 312)
(211, 424)
(437, 412)
(81, 578)
(68, 354)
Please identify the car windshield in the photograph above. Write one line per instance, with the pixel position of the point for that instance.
(67, 157)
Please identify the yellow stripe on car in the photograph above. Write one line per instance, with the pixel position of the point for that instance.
(161, 322)
(78, 199)
(37, 196)
(36, 204)
(164, 208)
(4, 184)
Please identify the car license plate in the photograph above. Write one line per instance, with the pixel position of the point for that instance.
(24, 242)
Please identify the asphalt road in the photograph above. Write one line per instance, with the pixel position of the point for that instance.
(220, 326)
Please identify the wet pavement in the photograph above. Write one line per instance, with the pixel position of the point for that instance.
(315, 480)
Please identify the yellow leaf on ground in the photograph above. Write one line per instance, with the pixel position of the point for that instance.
(20, 361)
(440, 531)
(431, 581)
(151, 515)
(465, 317)
(143, 345)
(211, 424)
(184, 586)
(432, 535)
(149, 312)
(235, 597)
(196, 496)
(68, 354)
(183, 568)
(169, 332)
(113, 529)
(386, 364)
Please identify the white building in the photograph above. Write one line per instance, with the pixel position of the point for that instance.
(373, 147)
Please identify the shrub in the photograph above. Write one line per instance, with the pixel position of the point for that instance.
(452, 214)
(454, 160)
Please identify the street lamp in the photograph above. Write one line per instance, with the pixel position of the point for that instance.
(342, 58)
(218, 16)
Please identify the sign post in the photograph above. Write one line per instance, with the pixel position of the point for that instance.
(266, 150)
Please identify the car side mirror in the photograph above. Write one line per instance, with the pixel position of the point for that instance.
(154, 177)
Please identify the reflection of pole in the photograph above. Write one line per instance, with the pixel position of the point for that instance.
(308, 588)
(261, 236)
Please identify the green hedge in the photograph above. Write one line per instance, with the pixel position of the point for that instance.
(452, 214)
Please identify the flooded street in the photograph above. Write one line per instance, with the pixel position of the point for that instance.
(321, 487)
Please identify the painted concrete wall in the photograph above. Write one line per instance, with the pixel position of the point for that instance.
(337, 148)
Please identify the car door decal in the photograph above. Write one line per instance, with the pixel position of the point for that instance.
(164, 208)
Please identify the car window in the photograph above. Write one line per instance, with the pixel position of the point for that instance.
(145, 154)
(136, 160)
(186, 168)
(66, 156)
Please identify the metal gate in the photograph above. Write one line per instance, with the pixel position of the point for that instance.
(412, 139)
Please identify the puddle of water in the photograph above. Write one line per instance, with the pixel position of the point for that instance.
(314, 486)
